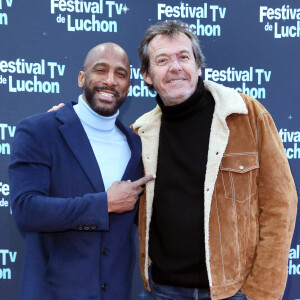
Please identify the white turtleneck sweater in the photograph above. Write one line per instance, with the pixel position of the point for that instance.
(108, 142)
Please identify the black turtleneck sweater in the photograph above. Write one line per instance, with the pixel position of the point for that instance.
(177, 248)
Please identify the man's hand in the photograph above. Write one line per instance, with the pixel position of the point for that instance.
(56, 107)
(122, 195)
(249, 298)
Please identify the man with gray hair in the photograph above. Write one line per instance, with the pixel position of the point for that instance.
(218, 221)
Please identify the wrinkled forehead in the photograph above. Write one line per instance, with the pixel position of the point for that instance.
(163, 44)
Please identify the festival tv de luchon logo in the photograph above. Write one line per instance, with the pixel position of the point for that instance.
(7, 260)
(204, 19)
(100, 16)
(5, 5)
(283, 22)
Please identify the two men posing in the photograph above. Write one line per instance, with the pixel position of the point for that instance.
(216, 223)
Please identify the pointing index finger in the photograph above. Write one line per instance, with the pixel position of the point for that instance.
(144, 180)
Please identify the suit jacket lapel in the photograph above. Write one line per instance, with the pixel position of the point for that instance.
(76, 138)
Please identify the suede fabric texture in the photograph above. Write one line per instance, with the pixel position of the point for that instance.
(250, 197)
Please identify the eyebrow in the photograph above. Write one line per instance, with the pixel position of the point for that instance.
(102, 64)
(165, 54)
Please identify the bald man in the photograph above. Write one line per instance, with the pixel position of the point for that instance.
(75, 178)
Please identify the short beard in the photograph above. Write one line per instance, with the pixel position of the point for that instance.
(92, 102)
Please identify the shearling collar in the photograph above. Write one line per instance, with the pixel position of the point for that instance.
(227, 102)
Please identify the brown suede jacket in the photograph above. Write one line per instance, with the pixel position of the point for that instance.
(250, 197)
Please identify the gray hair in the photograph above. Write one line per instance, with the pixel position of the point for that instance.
(170, 28)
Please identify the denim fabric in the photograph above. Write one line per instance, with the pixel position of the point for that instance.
(166, 292)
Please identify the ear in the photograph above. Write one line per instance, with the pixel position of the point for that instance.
(81, 78)
(199, 71)
(147, 78)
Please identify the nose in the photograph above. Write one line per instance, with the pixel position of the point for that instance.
(175, 65)
(110, 79)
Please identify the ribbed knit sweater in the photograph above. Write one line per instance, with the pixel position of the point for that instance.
(177, 248)
(109, 144)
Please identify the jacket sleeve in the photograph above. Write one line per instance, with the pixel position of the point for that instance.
(33, 207)
(277, 206)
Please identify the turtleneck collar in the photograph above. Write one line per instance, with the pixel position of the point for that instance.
(196, 102)
(92, 119)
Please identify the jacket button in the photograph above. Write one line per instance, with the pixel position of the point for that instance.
(143, 255)
(104, 287)
(86, 227)
(214, 293)
(104, 251)
(93, 227)
(241, 167)
(80, 227)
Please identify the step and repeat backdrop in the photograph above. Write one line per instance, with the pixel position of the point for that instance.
(252, 46)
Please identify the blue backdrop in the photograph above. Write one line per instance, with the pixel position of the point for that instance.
(252, 46)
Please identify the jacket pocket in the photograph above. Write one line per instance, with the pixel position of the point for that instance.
(239, 172)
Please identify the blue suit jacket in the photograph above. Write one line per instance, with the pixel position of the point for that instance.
(74, 248)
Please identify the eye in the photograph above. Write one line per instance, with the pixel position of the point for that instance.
(121, 74)
(184, 57)
(100, 70)
(162, 61)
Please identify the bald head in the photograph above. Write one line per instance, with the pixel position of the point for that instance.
(105, 78)
(100, 49)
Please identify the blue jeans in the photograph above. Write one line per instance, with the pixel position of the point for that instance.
(166, 292)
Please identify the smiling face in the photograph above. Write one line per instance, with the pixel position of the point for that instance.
(173, 70)
(105, 79)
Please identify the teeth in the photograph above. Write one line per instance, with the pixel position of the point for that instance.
(177, 80)
(106, 94)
